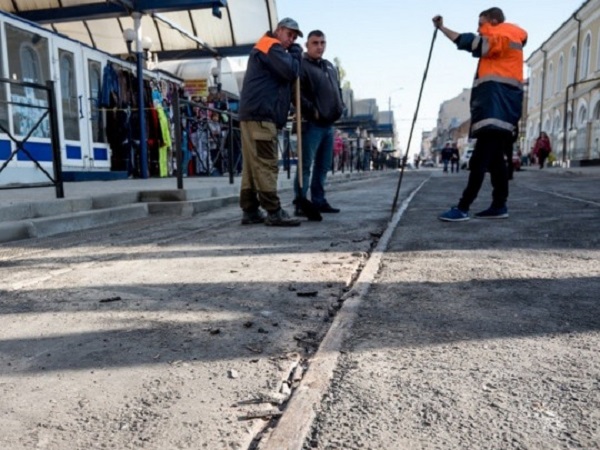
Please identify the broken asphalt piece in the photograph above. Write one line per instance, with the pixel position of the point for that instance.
(265, 414)
(248, 324)
(110, 299)
(262, 330)
(214, 330)
(254, 349)
(233, 374)
(307, 293)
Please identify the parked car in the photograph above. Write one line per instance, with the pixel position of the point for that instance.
(465, 157)
(428, 163)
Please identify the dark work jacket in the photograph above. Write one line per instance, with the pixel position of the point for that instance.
(266, 92)
(320, 91)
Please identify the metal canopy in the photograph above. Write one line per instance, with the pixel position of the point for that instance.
(178, 28)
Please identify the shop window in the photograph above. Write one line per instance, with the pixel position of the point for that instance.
(68, 93)
(97, 115)
(28, 60)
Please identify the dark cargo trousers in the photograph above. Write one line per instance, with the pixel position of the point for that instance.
(489, 155)
(259, 166)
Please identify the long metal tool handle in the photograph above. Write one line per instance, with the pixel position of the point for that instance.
(299, 132)
(412, 127)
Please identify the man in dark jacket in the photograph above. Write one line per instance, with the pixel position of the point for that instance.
(273, 65)
(446, 155)
(496, 104)
(322, 105)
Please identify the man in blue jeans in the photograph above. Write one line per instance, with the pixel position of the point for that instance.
(322, 105)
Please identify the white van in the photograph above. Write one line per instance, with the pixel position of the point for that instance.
(465, 157)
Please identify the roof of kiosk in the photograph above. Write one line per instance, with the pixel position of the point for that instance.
(178, 28)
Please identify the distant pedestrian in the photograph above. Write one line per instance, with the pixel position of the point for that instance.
(496, 105)
(542, 148)
(454, 159)
(338, 149)
(446, 155)
(273, 66)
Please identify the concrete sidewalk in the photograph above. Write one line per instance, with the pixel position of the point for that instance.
(36, 212)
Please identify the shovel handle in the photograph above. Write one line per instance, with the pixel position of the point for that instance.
(299, 132)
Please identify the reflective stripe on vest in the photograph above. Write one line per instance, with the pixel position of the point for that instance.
(493, 122)
(498, 79)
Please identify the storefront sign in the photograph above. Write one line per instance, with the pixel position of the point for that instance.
(196, 88)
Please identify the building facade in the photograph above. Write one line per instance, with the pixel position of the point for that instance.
(454, 119)
(563, 97)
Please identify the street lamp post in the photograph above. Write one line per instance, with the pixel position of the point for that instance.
(130, 36)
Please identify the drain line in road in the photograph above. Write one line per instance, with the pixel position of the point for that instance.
(292, 428)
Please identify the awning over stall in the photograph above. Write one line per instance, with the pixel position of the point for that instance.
(178, 29)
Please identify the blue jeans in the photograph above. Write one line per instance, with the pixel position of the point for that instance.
(317, 154)
(445, 162)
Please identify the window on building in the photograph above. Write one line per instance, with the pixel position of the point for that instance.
(547, 126)
(532, 85)
(585, 57)
(28, 60)
(559, 73)
(572, 62)
(539, 87)
(598, 55)
(557, 126)
(582, 116)
(68, 90)
(596, 115)
(549, 81)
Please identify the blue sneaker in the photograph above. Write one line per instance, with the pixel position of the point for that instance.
(493, 213)
(454, 215)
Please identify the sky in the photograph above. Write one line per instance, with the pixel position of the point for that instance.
(383, 47)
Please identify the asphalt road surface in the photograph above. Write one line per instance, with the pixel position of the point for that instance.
(173, 333)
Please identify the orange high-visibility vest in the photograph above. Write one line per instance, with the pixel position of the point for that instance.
(501, 53)
(265, 43)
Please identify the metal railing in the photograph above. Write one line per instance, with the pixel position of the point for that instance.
(211, 153)
(47, 111)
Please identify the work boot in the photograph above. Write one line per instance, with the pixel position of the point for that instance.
(252, 217)
(280, 218)
(327, 208)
